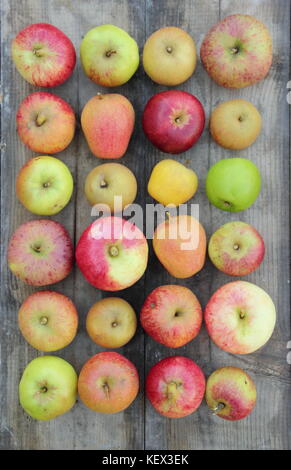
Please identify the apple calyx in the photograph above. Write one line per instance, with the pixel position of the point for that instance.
(43, 320)
(40, 119)
(219, 407)
(37, 51)
(46, 184)
(103, 183)
(242, 314)
(36, 248)
(113, 251)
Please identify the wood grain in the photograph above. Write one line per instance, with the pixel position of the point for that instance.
(140, 427)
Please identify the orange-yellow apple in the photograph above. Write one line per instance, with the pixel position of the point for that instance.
(48, 320)
(109, 181)
(230, 393)
(235, 124)
(40, 252)
(107, 122)
(237, 51)
(180, 245)
(48, 387)
(240, 317)
(112, 253)
(109, 55)
(175, 386)
(172, 183)
(108, 383)
(44, 185)
(169, 56)
(111, 322)
(43, 55)
(45, 122)
(172, 315)
(236, 248)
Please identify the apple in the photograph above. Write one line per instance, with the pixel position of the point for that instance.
(44, 185)
(173, 120)
(171, 315)
(230, 393)
(107, 122)
(43, 55)
(48, 387)
(233, 184)
(48, 320)
(180, 245)
(175, 386)
(40, 252)
(109, 56)
(107, 182)
(237, 51)
(45, 122)
(169, 56)
(108, 383)
(240, 317)
(235, 124)
(172, 183)
(111, 322)
(112, 253)
(236, 248)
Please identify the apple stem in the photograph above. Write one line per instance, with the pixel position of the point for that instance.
(103, 183)
(106, 390)
(114, 324)
(99, 95)
(169, 49)
(43, 320)
(218, 408)
(40, 119)
(43, 389)
(113, 251)
(36, 52)
(236, 246)
(109, 53)
(172, 390)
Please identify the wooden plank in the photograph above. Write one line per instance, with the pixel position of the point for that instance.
(267, 427)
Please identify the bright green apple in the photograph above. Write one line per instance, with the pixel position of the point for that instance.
(44, 185)
(233, 184)
(109, 56)
(48, 387)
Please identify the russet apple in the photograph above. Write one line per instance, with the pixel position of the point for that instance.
(43, 55)
(169, 56)
(107, 122)
(180, 245)
(48, 387)
(230, 393)
(109, 55)
(109, 181)
(112, 253)
(48, 320)
(235, 124)
(237, 51)
(111, 322)
(172, 183)
(40, 252)
(175, 386)
(108, 383)
(240, 317)
(173, 120)
(45, 122)
(44, 185)
(236, 248)
(171, 315)
(233, 184)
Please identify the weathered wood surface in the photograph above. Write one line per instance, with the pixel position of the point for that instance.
(269, 427)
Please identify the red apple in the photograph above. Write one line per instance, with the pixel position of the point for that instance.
(173, 120)
(43, 55)
(230, 393)
(240, 317)
(48, 320)
(45, 122)
(40, 252)
(108, 383)
(112, 253)
(171, 315)
(236, 248)
(175, 386)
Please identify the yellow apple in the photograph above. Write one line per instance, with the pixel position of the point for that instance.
(169, 56)
(235, 124)
(172, 183)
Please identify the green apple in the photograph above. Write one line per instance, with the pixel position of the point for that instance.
(233, 184)
(48, 387)
(109, 56)
(44, 185)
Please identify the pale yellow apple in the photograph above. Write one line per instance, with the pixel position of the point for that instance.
(172, 183)
(169, 56)
(235, 124)
(109, 180)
